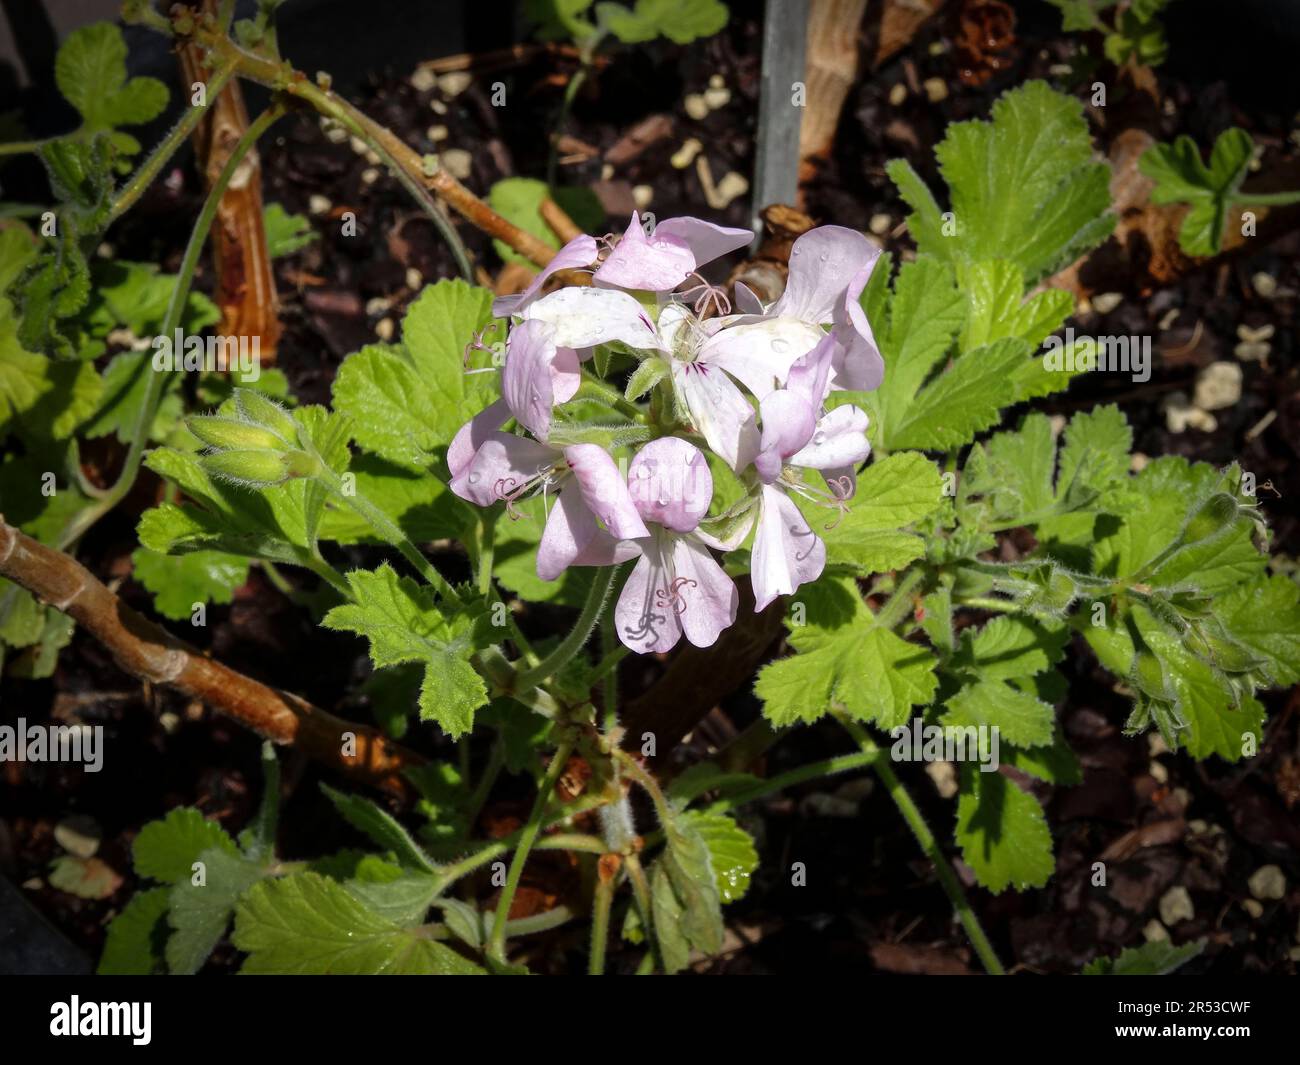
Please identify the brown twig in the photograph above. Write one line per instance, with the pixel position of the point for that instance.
(148, 651)
(245, 290)
(558, 219)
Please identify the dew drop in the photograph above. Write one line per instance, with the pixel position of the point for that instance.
(474, 478)
(819, 437)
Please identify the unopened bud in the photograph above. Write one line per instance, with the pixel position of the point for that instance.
(256, 469)
(230, 433)
(260, 410)
(1215, 513)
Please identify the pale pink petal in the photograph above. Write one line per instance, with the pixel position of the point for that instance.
(585, 317)
(604, 490)
(858, 364)
(659, 263)
(705, 240)
(788, 424)
(502, 464)
(644, 615)
(810, 376)
(470, 436)
(578, 253)
(566, 373)
(719, 411)
(787, 553)
(759, 354)
(706, 595)
(527, 381)
(747, 301)
(822, 264)
(670, 483)
(840, 439)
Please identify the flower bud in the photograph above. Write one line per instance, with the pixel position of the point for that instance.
(256, 469)
(225, 433)
(260, 410)
(1213, 515)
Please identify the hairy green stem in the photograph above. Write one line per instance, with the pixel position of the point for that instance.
(601, 582)
(167, 147)
(899, 605)
(929, 847)
(600, 907)
(497, 942)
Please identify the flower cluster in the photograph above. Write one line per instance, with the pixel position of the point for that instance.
(750, 384)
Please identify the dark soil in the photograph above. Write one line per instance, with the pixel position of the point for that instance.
(871, 903)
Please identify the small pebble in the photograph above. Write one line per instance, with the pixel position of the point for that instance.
(1105, 302)
(458, 162)
(437, 106)
(170, 721)
(1176, 905)
(945, 778)
(1138, 461)
(335, 134)
(384, 329)
(1267, 882)
(939, 48)
(423, 80)
(642, 195)
(716, 98)
(729, 188)
(377, 305)
(936, 89)
(717, 81)
(1294, 954)
(880, 224)
(78, 835)
(1155, 932)
(696, 106)
(370, 175)
(1180, 414)
(1159, 772)
(414, 279)
(897, 94)
(436, 133)
(1156, 745)
(357, 145)
(1218, 386)
(685, 155)
(105, 250)
(318, 204)
(455, 83)
(1254, 908)
(1169, 318)
(1264, 284)
(1252, 351)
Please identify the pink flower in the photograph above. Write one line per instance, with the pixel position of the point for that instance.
(580, 252)
(662, 261)
(593, 509)
(786, 551)
(676, 586)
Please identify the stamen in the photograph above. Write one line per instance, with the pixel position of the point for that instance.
(672, 595)
(839, 490)
(477, 343)
(711, 296)
(510, 490)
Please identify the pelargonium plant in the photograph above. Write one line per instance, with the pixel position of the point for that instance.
(804, 497)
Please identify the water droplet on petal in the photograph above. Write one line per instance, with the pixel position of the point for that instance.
(819, 437)
(474, 478)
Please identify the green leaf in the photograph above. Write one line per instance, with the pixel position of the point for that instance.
(1157, 958)
(1217, 720)
(166, 850)
(1002, 832)
(1009, 647)
(90, 71)
(286, 233)
(200, 913)
(845, 660)
(1019, 718)
(997, 308)
(406, 401)
(1264, 614)
(402, 623)
(41, 398)
(178, 582)
(1024, 187)
(1181, 177)
(519, 201)
(380, 826)
(892, 493)
(731, 852)
(681, 21)
(137, 936)
(306, 924)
